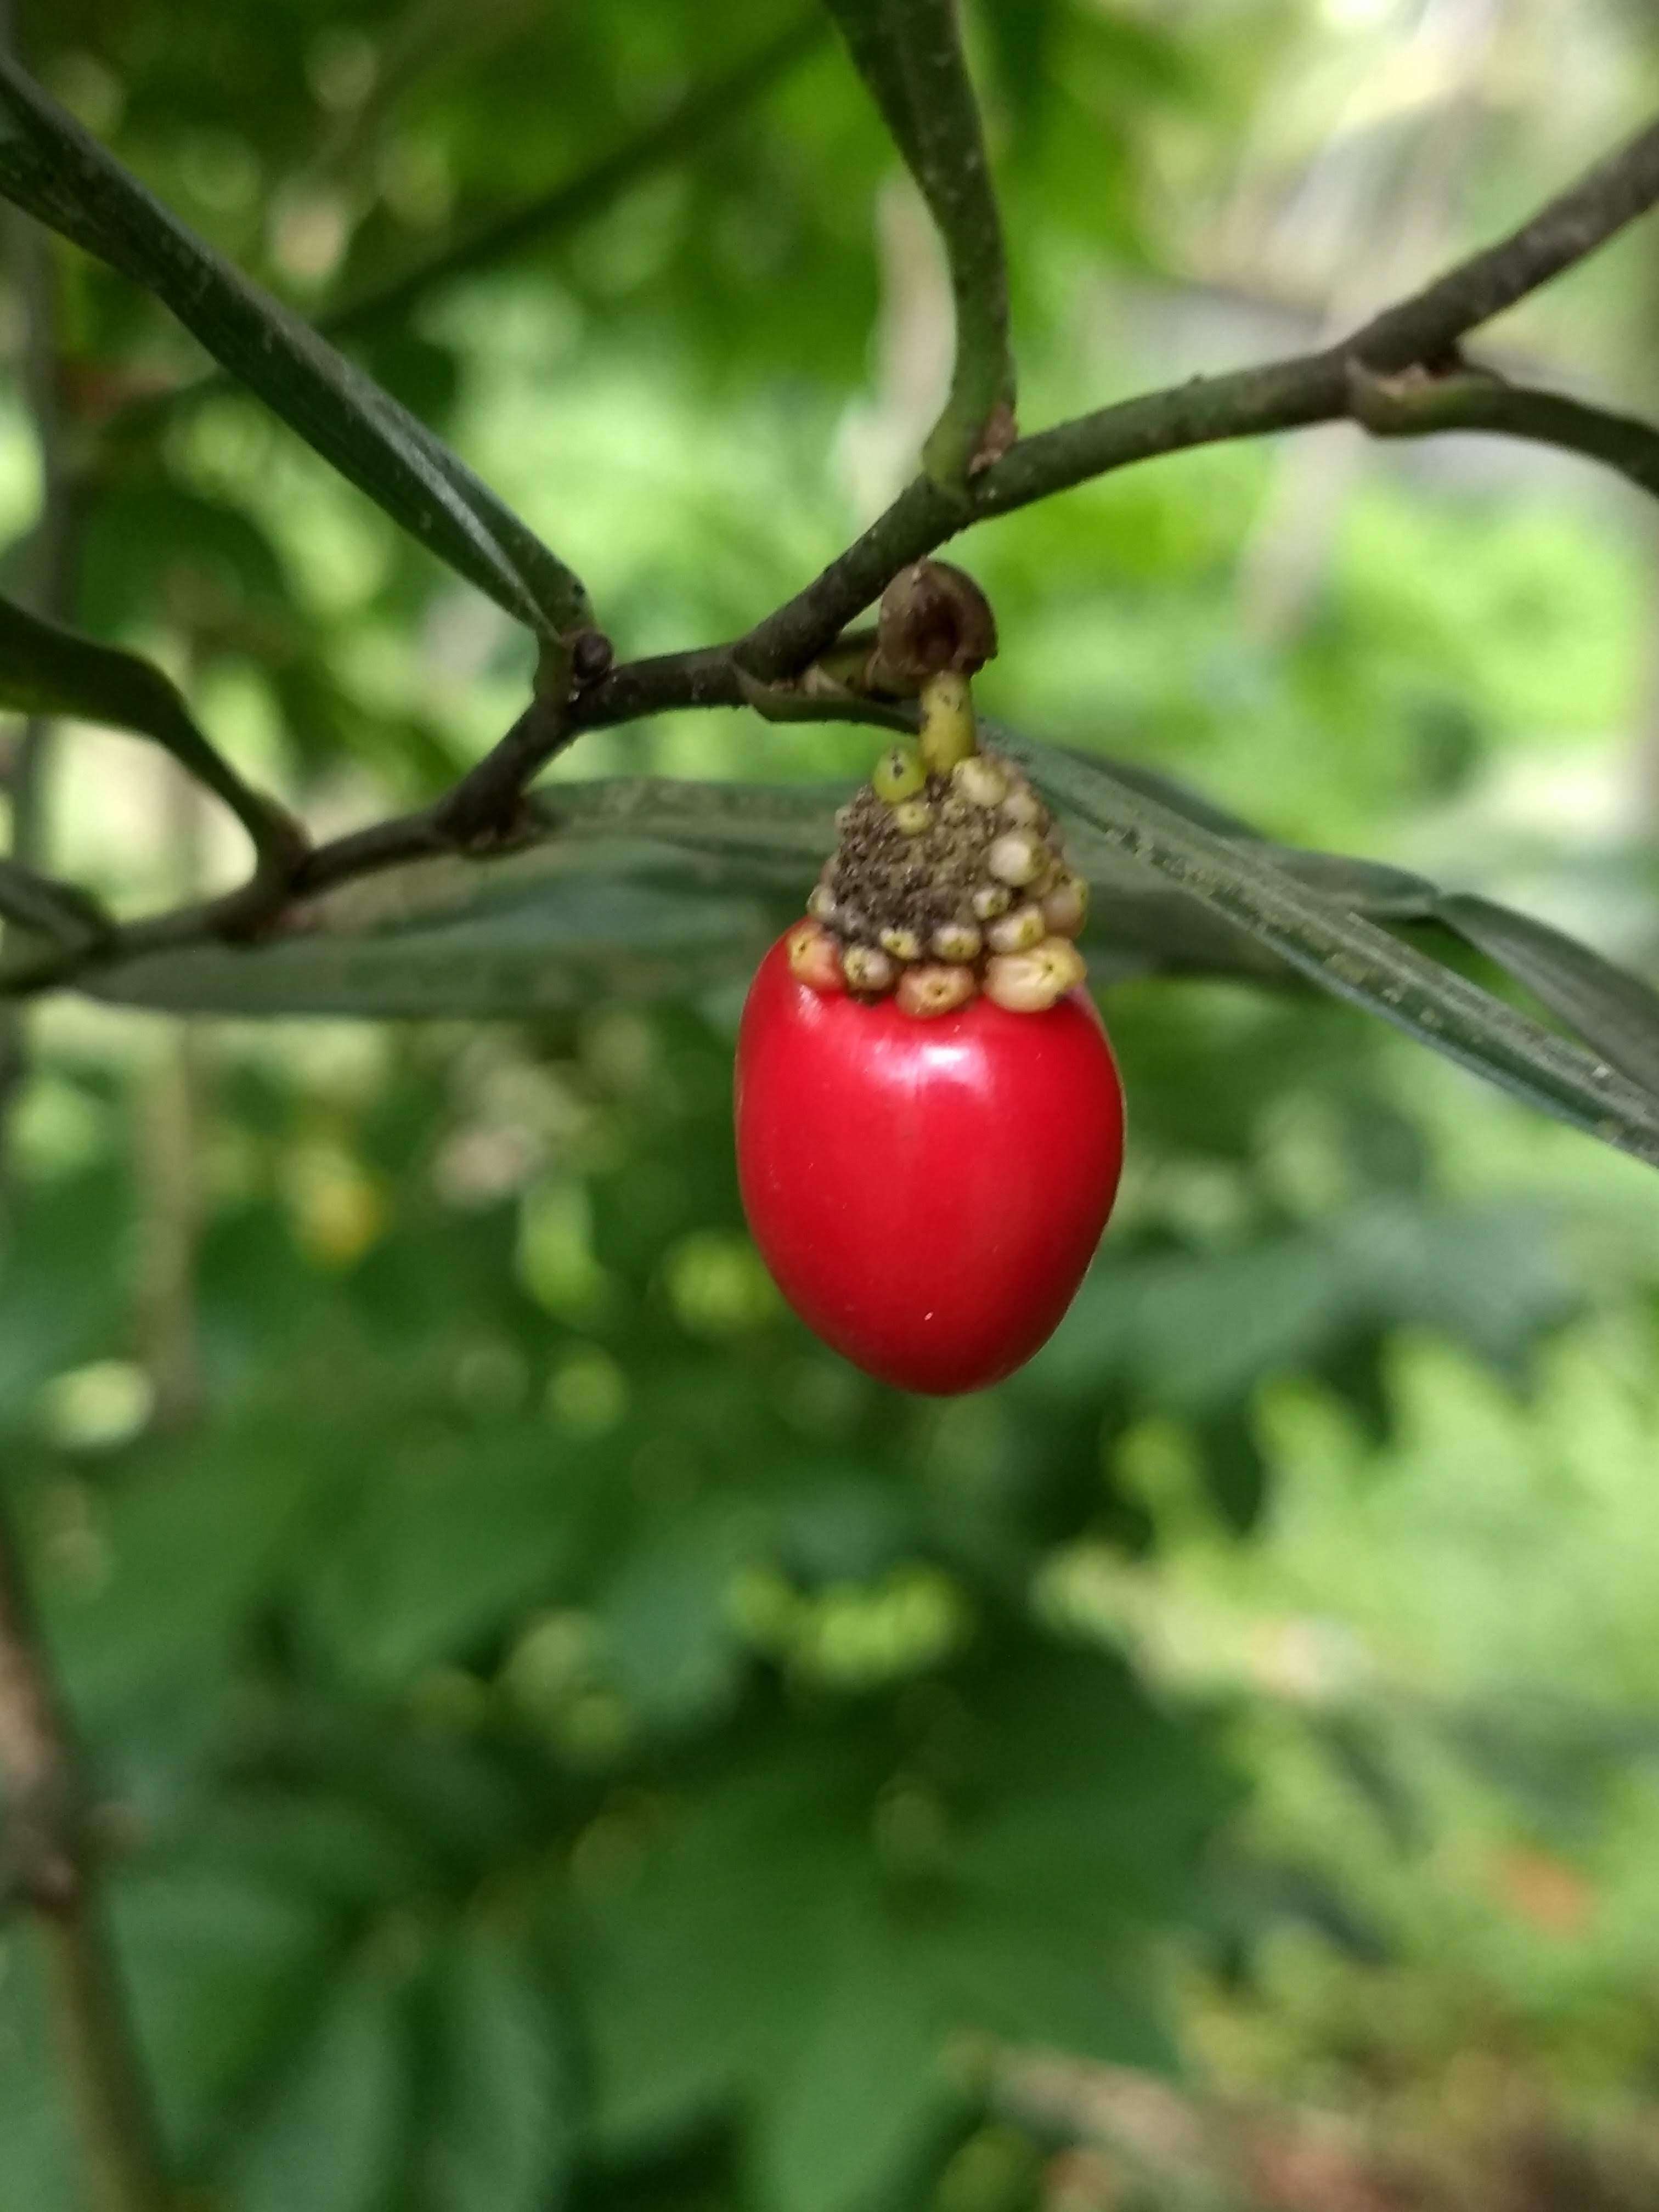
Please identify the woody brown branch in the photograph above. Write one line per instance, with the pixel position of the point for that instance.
(1423, 331)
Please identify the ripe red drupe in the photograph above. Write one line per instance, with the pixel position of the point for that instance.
(926, 1193)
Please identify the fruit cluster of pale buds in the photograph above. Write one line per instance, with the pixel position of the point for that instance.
(948, 881)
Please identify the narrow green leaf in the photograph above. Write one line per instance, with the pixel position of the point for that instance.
(332, 2139)
(863, 2096)
(704, 110)
(1352, 957)
(909, 54)
(59, 173)
(569, 944)
(648, 888)
(1611, 1009)
(47, 670)
(452, 1543)
(504, 2102)
(222, 1971)
(706, 1973)
(41, 907)
(215, 1524)
(665, 1620)
(792, 825)
(40, 2161)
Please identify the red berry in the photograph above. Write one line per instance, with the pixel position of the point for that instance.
(927, 1194)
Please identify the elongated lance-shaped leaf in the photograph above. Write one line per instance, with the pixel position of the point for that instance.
(1352, 957)
(705, 108)
(652, 887)
(1613, 1009)
(44, 908)
(568, 940)
(59, 173)
(909, 54)
(47, 670)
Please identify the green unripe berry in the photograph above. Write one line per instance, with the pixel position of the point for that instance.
(903, 944)
(927, 993)
(1017, 858)
(1065, 906)
(1019, 930)
(898, 775)
(1024, 808)
(979, 781)
(957, 941)
(867, 968)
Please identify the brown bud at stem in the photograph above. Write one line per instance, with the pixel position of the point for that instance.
(933, 617)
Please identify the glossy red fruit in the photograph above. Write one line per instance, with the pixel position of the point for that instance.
(927, 1194)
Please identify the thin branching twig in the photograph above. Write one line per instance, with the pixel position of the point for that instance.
(46, 1857)
(1416, 340)
(909, 54)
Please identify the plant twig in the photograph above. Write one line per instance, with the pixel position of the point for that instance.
(45, 1856)
(1280, 395)
(576, 200)
(909, 54)
(53, 670)
(51, 563)
(1334, 383)
(1418, 403)
(47, 1864)
(61, 174)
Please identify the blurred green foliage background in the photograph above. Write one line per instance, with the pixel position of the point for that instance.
(564, 1737)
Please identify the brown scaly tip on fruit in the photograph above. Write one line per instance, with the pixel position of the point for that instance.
(946, 872)
(949, 866)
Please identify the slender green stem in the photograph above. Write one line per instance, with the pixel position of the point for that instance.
(117, 2128)
(909, 54)
(705, 110)
(1415, 406)
(62, 175)
(1280, 395)
(49, 1864)
(1328, 384)
(49, 669)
